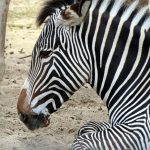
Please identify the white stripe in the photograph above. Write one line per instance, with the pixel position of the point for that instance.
(39, 97)
(41, 107)
(135, 21)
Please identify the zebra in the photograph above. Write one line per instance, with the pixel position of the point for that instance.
(105, 43)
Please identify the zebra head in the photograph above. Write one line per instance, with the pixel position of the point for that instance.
(58, 65)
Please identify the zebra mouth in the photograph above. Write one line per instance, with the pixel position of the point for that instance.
(41, 121)
(34, 122)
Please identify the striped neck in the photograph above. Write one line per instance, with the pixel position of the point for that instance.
(114, 35)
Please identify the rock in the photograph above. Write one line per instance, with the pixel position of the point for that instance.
(11, 53)
(71, 131)
(72, 118)
(14, 81)
(10, 45)
(8, 131)
(21, 51)
(87, 86)
(100, 108)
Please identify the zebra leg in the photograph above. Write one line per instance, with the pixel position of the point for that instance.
(92, 126)
(118, 137)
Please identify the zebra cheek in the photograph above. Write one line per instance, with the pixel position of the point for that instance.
(21, 101)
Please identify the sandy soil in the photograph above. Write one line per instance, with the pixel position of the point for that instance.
(83, 106)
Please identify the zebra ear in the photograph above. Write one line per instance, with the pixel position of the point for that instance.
(74, 14)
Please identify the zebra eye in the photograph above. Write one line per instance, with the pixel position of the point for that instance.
(44, 54)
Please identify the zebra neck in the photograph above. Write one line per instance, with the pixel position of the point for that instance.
(114, 37)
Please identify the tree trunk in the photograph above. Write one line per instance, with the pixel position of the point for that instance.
(4, 5)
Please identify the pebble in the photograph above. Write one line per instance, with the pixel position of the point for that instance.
(72, 118)
(21, 51)
(14, 81)
(61, 129)
(99, 109)
(8, 131)
(87, 86)
(10, 45)
(11, 53)
(71, 131)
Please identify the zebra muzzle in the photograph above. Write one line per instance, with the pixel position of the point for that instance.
(33, 121)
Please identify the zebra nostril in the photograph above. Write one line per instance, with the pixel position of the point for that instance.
(34, 121)
(24, 118)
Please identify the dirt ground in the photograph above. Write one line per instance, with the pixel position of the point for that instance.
(83, 106)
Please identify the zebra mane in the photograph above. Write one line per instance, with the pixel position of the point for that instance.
(49, 8)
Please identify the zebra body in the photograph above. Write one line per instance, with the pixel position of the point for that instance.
(117, 57)
(110, 49)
